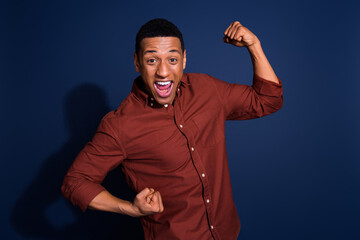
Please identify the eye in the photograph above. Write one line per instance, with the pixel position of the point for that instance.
(151, 61)
(173, 60)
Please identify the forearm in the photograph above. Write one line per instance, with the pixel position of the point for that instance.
(105, 201)
(261, 65)
(146, 202)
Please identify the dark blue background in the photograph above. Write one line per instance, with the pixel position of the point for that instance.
(64, 64)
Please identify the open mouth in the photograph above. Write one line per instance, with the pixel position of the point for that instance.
(163, 88)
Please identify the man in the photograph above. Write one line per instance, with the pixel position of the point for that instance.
(168, 137)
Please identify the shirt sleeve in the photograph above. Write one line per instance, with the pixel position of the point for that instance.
(246, 102)
(101, 155)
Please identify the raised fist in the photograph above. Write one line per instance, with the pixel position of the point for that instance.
(239, 36)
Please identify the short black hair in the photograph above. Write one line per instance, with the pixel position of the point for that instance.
(158, 27)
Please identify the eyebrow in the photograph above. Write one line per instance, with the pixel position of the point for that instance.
(175, 50)
(149, 51)
(154, 51)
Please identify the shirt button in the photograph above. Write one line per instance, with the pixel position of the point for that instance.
(178, 89)
(207, 200)
(152, 99)
(151, 104)
(212, 227)
(166, 105)
(203, 175)
(181, 126)
(192, 149)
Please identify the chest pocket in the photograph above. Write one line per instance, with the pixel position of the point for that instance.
(209, 128)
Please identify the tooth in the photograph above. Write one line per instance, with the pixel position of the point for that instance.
(163, 83)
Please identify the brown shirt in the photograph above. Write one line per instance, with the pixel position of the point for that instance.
(178, 150)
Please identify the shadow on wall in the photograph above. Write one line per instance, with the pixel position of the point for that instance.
(41, 210)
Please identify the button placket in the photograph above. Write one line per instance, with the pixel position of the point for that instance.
(196, 161)
(204, 182)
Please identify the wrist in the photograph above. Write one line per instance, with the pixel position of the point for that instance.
(135, 211)
(128, 208)
(255, 48)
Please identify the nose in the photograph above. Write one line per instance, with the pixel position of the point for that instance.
(162, 70)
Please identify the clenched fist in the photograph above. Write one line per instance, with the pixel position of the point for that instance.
(239, 36)
(147, 202)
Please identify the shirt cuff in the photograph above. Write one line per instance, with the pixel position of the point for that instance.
(84, 194)
(266, 87)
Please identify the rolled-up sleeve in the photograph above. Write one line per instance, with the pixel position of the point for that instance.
(246, 102)
(101, 155)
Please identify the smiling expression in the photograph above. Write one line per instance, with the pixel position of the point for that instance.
(161, 62)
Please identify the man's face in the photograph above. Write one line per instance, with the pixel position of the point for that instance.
(161, 62)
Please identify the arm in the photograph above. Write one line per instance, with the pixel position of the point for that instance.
(82, 183)
(264, 97)
(240, 36)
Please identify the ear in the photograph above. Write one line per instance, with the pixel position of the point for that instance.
(136, 63)
(184, 60)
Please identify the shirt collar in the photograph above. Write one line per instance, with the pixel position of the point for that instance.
(138, 89)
